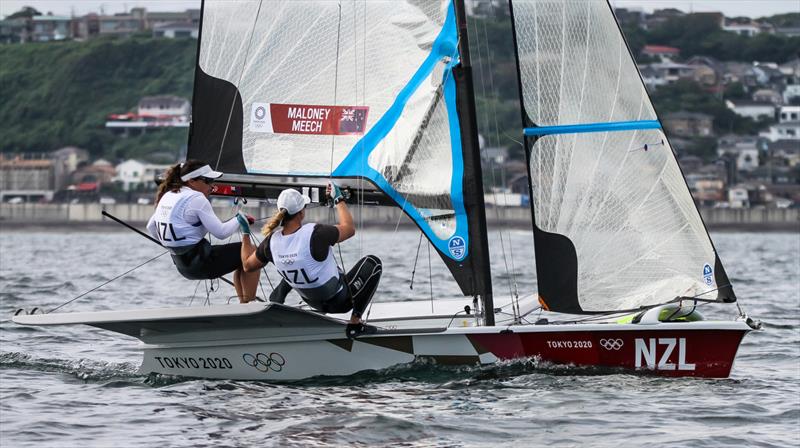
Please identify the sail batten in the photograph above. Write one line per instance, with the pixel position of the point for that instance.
(592, 127)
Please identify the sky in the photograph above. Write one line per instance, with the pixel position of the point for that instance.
(731, 8)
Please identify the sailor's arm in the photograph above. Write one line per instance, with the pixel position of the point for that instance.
(344, 218)
(345, 221)
(250, 261)
(221, 230)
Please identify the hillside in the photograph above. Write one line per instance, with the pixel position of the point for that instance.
(58, 94)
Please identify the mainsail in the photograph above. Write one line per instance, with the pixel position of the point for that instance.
(366, 90)
(615, 226)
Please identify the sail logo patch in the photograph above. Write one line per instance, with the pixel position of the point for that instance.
(308, 119)
(260, 120)
(708, 274)
(457, 247)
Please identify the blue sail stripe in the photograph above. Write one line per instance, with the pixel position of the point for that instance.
(355, 163)
(593, 127)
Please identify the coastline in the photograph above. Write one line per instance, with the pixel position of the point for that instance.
(89, 218)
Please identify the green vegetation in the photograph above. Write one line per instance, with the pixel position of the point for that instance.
(59, 94)
(701, 34)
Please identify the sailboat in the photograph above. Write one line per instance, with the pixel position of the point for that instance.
(379, 96)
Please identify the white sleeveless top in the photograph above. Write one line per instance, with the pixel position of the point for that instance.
(182, 219)
(315, 281)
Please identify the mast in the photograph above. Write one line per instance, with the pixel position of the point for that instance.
(473, 175)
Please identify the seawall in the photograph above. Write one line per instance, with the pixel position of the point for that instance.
(76, 216)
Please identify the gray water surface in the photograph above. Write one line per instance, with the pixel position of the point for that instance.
(79, 386)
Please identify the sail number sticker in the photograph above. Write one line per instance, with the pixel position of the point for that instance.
(308, 119)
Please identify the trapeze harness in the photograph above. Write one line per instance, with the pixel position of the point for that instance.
(180, 223)
(316, 281)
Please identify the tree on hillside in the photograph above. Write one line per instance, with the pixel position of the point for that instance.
(26, 12)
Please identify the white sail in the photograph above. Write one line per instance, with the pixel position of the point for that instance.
(617, 195)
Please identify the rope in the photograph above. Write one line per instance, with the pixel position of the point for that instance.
(105, 283)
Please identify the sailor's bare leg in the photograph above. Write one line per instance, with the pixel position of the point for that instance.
(237, 284)
(249, 285)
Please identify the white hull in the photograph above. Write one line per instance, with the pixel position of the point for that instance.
(281, 343)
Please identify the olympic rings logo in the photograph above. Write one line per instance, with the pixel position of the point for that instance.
(611, 344)
(265, 363)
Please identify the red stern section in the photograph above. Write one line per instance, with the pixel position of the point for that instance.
(700, 353)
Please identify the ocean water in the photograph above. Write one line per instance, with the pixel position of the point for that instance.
(79, 386)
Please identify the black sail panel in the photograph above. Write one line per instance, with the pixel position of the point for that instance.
(216, 132)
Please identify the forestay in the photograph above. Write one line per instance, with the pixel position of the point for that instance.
(615, 224)
(343, 89)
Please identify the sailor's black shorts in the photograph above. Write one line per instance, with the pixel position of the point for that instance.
(204, 261)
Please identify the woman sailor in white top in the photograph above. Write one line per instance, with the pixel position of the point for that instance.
(182, 219)
(303, 255)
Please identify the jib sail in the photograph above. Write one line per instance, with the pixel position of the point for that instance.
(615, 226)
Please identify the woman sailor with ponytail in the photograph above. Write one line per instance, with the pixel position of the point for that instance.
(184, 216)
(303, 255)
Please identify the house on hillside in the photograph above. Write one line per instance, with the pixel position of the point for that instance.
(14, 31)
(771, 96)
(784, 152)
(176, 30)
(746, 27)
(50, 28)
(661, 16)
(689, 124)
(768, 74)
(154, 19)
(164, 105)
(788, 113)
(133, 174)
(661, 52)
(98, 173)
(122, 24)
(744, 149)
(751, 109)
(791, 90)
(789, 130)
(65, 161)
(26, 176)
(740, 72)
(652, 78)
(706, 71)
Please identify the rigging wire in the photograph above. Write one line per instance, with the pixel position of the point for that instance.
(107, 282)
(238, 83)
(430, 274)
(416, 258)
(493, 89)
(492, 169)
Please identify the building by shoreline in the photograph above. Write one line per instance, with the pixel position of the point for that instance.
(88, 217)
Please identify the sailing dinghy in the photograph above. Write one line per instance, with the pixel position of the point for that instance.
(379, 96)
